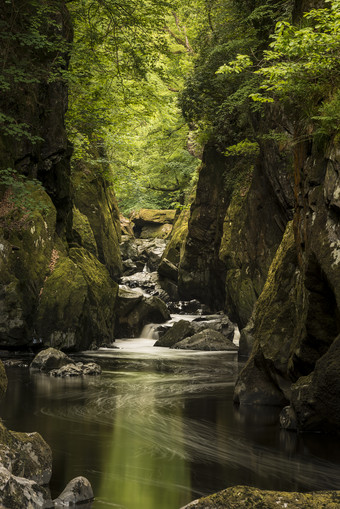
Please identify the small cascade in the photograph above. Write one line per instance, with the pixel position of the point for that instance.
(150, 331)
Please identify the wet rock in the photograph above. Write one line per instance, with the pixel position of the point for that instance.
(49, 359)
(77, 491)
(244, 497)
(25, 455)
(15, 363)
(288, 418)
(184, 328)
(168, 270)
(315, 398)
(143, 311)
(127, 300)
(77, 303)
(78, 369)
(17, 492)
(207, 339)
(182, 306)
(176, 333)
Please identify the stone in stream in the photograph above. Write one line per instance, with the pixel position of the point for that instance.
(49, 359)
(244, 497)
(58, 364)
(207, 339)
(184, 329)
(77, 491)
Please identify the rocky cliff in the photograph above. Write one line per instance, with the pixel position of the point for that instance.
(59, 232)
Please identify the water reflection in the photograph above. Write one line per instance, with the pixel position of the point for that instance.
(159, 429)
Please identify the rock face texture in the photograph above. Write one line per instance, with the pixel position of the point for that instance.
(58, 247)
(295, 321)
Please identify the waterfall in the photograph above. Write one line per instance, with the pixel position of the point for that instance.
(149, 331)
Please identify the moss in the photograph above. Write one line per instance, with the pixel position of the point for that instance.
(244, 497)
(3, 380)
(82, 232)
(77, 303)
(96, 200)
(25, 256)
(175, 246)
(26, 455)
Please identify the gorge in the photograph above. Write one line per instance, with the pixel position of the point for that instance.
(246, 238)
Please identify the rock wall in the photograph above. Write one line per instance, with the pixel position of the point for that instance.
(296, 319)
(59, 233)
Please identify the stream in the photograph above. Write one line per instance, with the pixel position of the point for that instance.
(158, 429)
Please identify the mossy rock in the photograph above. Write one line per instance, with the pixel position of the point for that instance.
(77, 304)
(315, 398)
(82, 232)
(25, 256)
(26, 455)
(3, 380)
(244, 497)
(153, 216)
(95, 199)
(264, 379)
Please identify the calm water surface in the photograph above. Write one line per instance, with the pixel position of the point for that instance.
(159, 429)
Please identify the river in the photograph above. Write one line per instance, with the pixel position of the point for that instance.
(158, 428)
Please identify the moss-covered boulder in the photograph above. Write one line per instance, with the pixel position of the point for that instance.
(82, 232)
(77, 304)
(150, 223)
(95, 199)
(244, 497)
(264, 379)
(26, 455)
(180, 330)
(26, 250)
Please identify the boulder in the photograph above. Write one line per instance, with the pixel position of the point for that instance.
(49, 359)
(146, 310)
(125, 226)
(127, 300)
(77, 303)
(78, 369)
(244, 497)
(315, 401)
(207, 339)
(25, 455)
(149, 223)
(183, 329)
(168, 270)
(176, 333)
(77, 491)
(16, 492)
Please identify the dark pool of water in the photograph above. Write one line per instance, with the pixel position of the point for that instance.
(158, 428)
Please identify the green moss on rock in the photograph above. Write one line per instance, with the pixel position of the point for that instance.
(82, 232)
(3, 380)
(244, 497)
(25, 255)
(77, 304)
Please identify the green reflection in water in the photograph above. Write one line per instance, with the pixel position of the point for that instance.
(146, 459)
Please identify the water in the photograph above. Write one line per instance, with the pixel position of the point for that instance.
(159, 429)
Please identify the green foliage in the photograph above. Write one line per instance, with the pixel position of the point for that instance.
(127, 65)
(302, 67)
(32, 50)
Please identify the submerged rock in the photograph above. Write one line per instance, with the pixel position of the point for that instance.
(244, 497)
(77, 491)
(207, 339)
